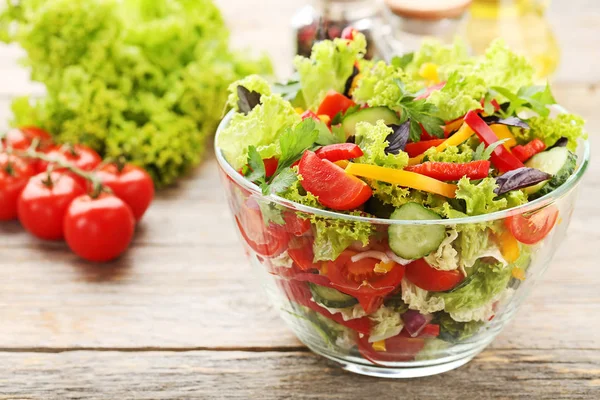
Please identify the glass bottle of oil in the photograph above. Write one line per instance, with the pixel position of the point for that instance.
(522, 24)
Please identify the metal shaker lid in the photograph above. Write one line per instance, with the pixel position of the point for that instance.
(429, 9)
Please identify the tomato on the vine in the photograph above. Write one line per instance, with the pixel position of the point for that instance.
(359, 279)
(44, 202)
(21, 138)
(14, 175)
(77, 155)
(131, 184)
(99, 229)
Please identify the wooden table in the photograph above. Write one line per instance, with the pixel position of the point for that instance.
(181, 316)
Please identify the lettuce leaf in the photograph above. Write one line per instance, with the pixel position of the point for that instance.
(330, 65)
(385, 323)
(372, 139)
(419, 299)
(453, 331)
(485, 282)
(334, 235)
(260, 128)
(459, 95)
(453, 154)
(253, 83)
(445, 258)
(433, 51)
(502, 67)
(480, 198)
(549, 130)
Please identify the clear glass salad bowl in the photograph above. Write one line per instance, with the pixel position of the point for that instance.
(421, 344)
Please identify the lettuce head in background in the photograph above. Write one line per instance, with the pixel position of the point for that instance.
(142, 79)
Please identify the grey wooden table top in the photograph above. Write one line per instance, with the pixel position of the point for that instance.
(181, 316)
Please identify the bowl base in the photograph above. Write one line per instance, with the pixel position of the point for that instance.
(399, 373)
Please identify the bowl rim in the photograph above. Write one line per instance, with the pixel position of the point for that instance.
(583, 162)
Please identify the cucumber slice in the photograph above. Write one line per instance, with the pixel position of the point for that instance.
(414, 242)
(370, 115)
(330, 297)
(558, 162)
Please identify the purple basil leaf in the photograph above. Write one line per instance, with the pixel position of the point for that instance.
(520, 178)
(398, 138)
(510, 121)
(247, 99)
(562, 142)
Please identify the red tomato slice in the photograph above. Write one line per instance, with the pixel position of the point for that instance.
(301, 252)
(296, 225)
(335, 189)
(359, 279)
(415, 149)
(340, 151)
(266, 241)
(398, 348)
(530, 229)
(428, 278)
(334, 103)
(430, 90)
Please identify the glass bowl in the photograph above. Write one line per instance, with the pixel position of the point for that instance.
(449, 333)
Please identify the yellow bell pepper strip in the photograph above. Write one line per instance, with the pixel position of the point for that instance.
(503, 132)
(379, 346)
(453, 126)
(463, 134)
(342, 163)
(518, 273)
(403, 178)
(509, 247)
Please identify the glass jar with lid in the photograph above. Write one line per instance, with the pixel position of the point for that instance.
(326, 19)
(405, 23)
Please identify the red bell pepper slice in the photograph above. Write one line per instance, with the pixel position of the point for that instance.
(502, 159)
(524, 153)
(430, 330)
(340, 151)
(270, 166)
(334, 103)
(335, 189)
(445, 171)
(430, 90)
(416, 149)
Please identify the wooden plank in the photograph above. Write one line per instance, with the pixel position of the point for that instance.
(521, 374)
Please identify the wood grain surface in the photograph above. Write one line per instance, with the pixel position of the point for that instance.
(182, 316)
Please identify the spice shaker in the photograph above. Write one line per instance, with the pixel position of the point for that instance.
(405, 23)
(326, 19)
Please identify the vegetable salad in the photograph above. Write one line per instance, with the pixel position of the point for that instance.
(436, 135)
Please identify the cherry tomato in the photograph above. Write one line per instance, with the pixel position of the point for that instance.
(99, 229)
(335, 189)
(530, 229)
(14, 175)
(358, 279)
(21, 138)
(44, 202)
(398, 348)
(334, 103)
(339, 151)
(301, 252)
(428, 278)
(266, 241)
(78, 155)
(131, 184)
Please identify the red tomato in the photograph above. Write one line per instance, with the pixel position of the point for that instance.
(44, 202)
(21, 138)
(335, 189)
(78, 155)
(430, 90)
(430, 330)
(428, 278)
(266, 241)
(334, 103)
(530, 229)
(418, 148)
(131, 184)
(358, 279)
(14, 174)
(398, 348)
(309, 114)
(340, 151)
(295, 224)
(301, 252)
(99, 229)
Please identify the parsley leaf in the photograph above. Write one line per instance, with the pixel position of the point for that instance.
(484, 153)
(256, 167)
(403, 61)
(282, 181)
(535, 98)
(294, 142)
(270, 213)
(419, 112)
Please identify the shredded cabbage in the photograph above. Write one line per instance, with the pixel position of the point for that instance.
(386, 323)
(419, 299)
(445, 258)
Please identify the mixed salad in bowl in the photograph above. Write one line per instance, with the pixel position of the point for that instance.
(401, 210)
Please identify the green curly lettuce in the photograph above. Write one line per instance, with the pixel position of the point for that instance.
(142, 79)
(330, 65)
(334, 235)
(480, 198)
(452, 154)
(261, 128)
(253, 83)
(372, 139)
(433, 51)
(484, 283)
(549, 130)
(460, 94)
